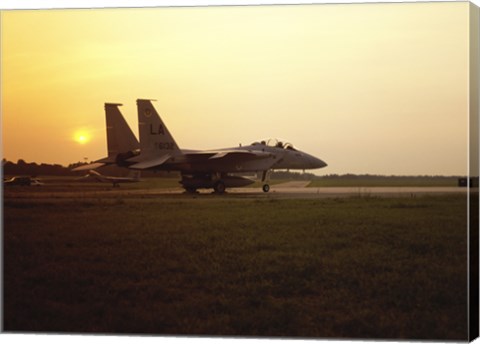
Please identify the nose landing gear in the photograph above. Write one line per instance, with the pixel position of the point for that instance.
(265, 178)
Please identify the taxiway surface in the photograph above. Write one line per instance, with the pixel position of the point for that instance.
(294, 189)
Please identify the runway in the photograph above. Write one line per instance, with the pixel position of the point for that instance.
(288, 190)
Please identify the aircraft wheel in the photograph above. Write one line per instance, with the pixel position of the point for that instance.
(266, 188)
(219, 187)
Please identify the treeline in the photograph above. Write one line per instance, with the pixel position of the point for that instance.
(33, 169)
(292, 175)
(22, 168)
(350, 176)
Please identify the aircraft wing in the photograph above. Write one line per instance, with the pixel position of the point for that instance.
(96, 164)
(89, 166)
(220, 156)
(241, 155)
(111, 179)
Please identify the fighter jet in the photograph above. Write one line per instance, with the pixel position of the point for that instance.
(211, 168)
(121, 142)
(116, 181)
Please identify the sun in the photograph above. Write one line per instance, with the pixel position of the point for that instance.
(82, 137)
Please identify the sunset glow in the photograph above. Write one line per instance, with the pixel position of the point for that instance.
(370, 88)
(82, 137)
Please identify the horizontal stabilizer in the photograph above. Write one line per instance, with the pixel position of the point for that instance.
(143, 165)
(94, 172)
(107, 160)
(88, 166)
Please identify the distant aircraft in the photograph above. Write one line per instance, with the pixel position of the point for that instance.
(114, 180)
(121, 142)
(211, 168)
(23, 181)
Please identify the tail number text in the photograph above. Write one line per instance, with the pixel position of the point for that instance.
(164, 145)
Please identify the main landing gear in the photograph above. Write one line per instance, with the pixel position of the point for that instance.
(219, 187)
(218, 182)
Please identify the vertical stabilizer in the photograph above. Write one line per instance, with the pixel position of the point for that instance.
(155, 139)
(120, 138)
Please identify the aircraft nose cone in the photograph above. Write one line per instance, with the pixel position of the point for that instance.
(317, 163)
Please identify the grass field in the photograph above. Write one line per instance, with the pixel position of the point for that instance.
(154, 182)
(343, 268)
(325, 181)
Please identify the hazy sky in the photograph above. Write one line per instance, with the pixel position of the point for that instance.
(369, 88)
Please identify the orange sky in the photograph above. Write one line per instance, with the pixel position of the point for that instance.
(369, 88)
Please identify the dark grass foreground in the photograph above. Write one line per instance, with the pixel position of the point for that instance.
(343, 268)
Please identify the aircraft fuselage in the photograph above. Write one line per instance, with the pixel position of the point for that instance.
(275, 158)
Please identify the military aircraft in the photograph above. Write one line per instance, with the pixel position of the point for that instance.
(121, 142)
(211, 168)
(22, 181)
(116, 181)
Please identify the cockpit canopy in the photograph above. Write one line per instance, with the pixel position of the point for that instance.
(275, 143)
